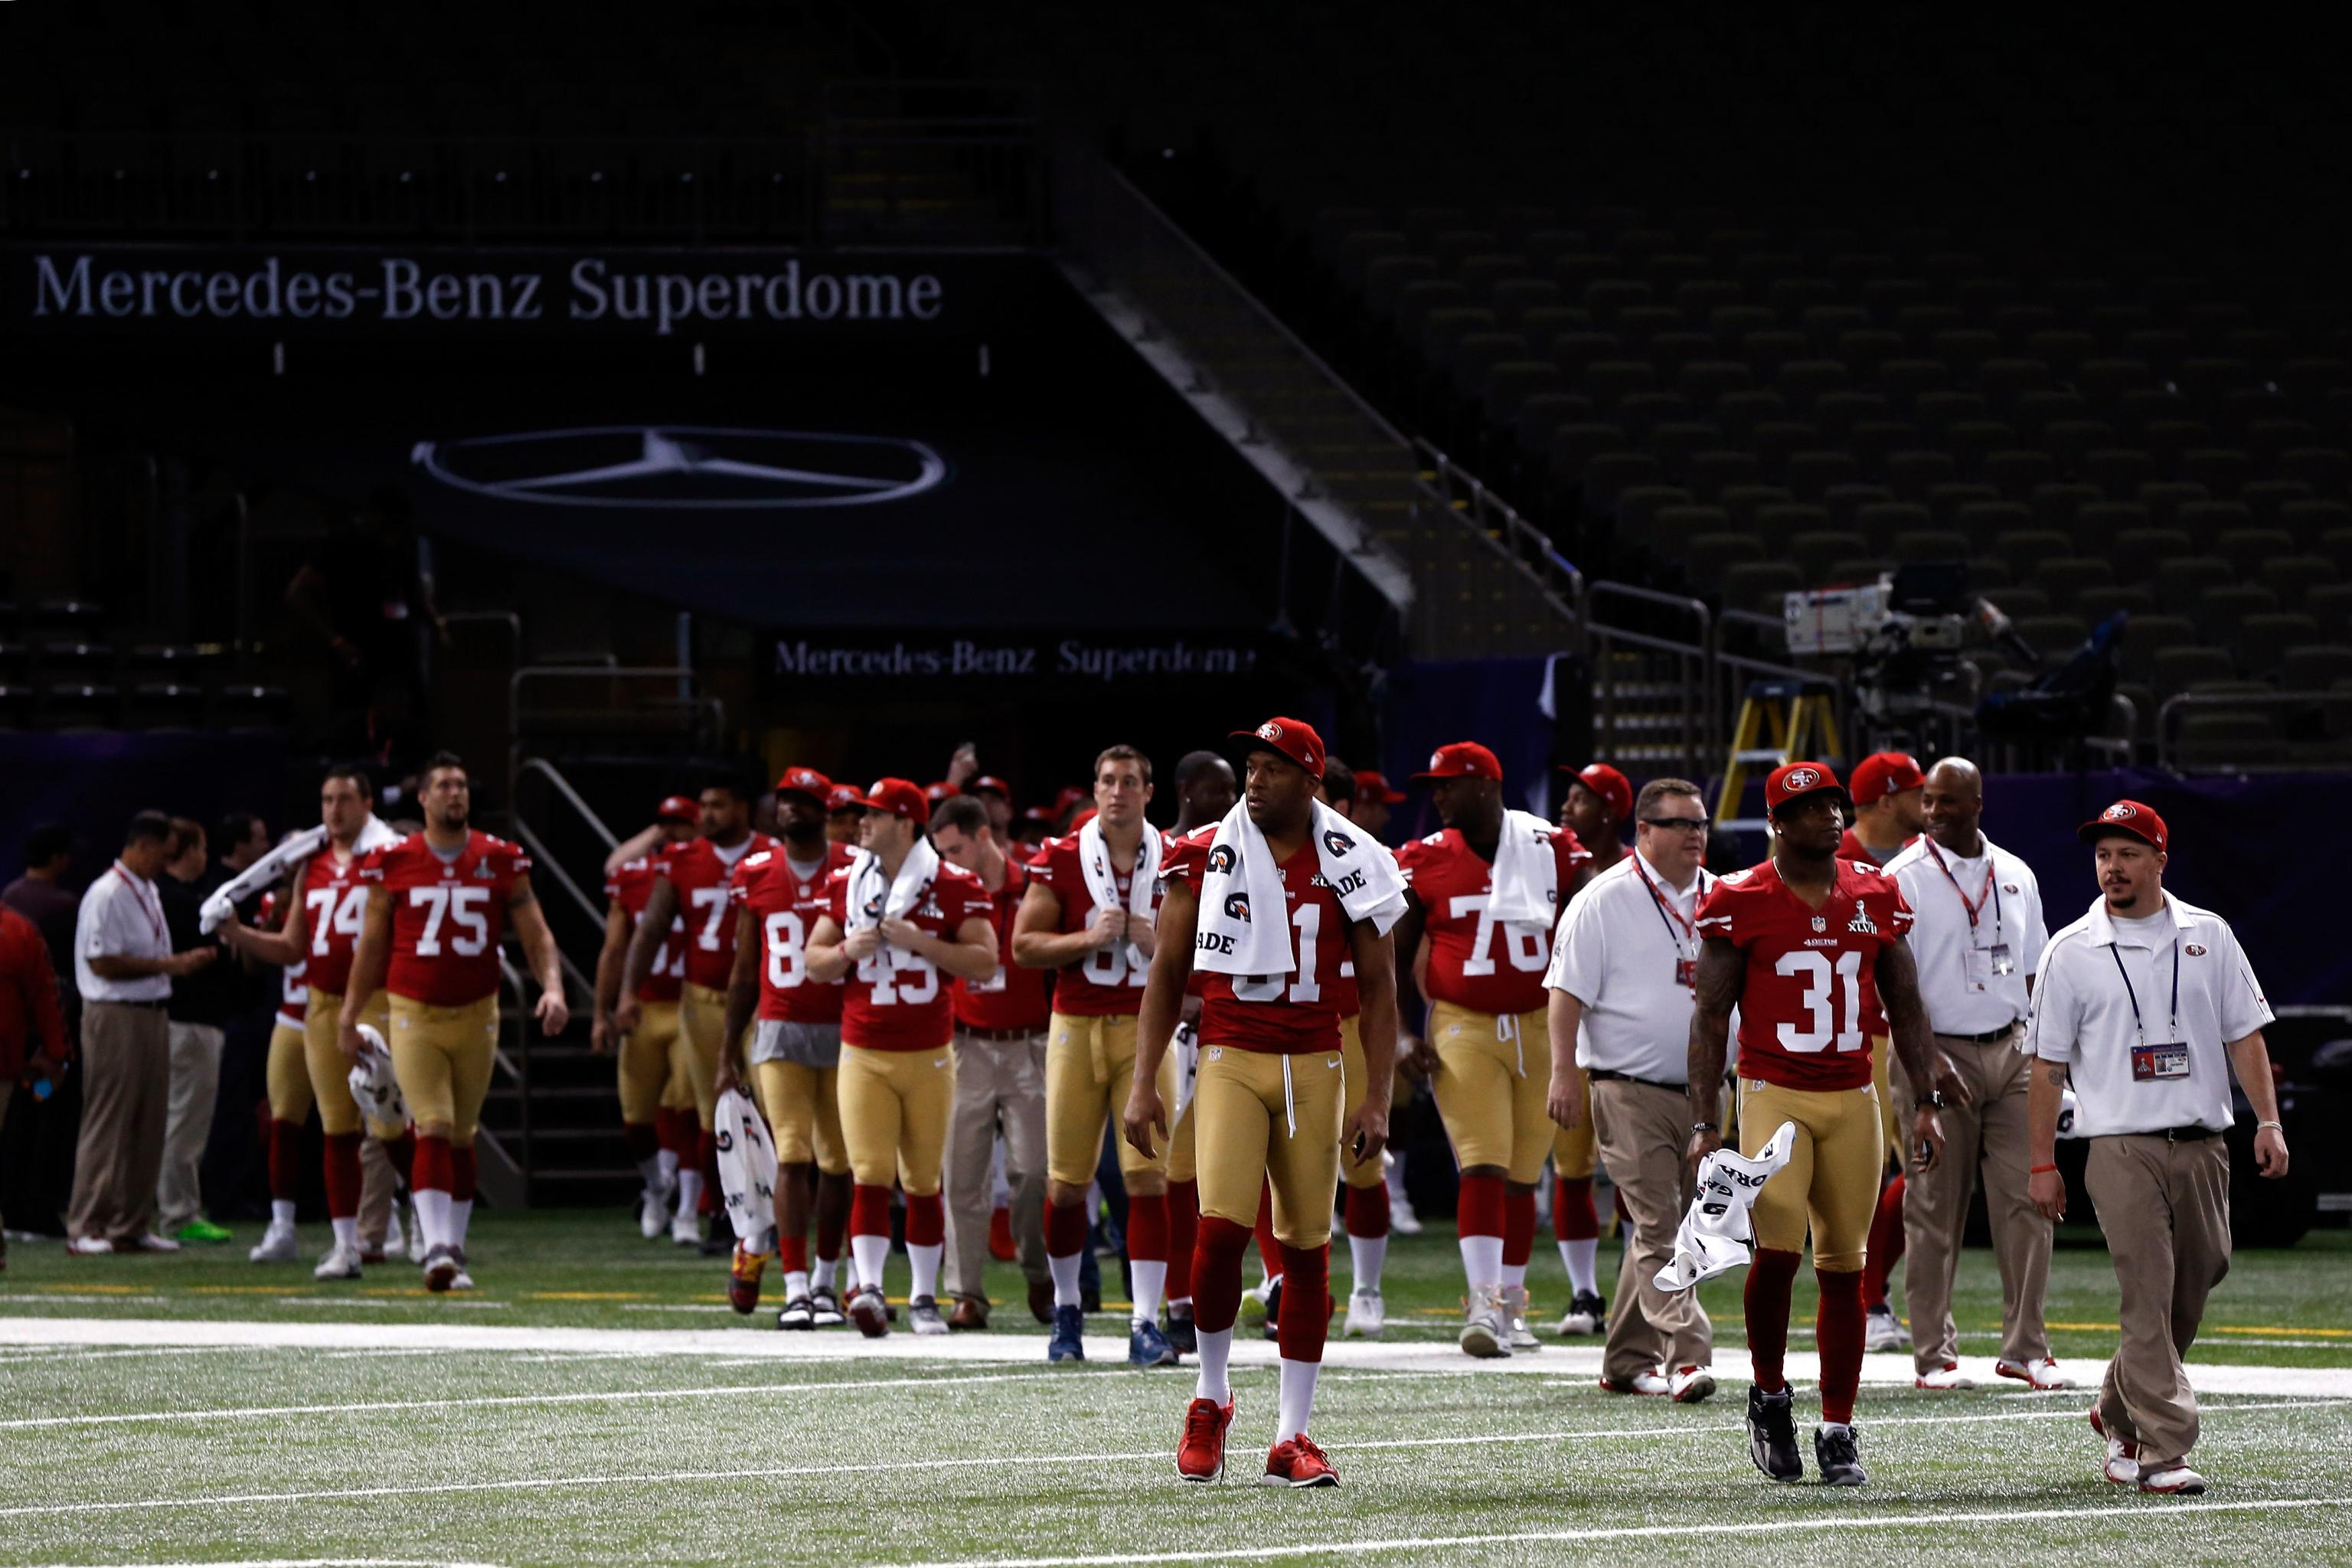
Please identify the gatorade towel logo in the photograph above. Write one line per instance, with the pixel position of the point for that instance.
(1800, 778)
(1339, 843)
(1237, 907)
(874, 905)
(723, 1140)
(1223, 859)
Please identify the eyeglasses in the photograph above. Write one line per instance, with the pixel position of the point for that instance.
(1687, 824)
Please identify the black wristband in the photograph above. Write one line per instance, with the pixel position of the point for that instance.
(1931, 1100)
(1705, 1127)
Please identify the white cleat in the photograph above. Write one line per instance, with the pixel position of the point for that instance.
(1587, 1314)
(1644, 1383)
(461, 1281)
(2122, 1466)
(341, 1263)
(1945, 1379)
(277, 1245)
(1486, 1332)
(2043, 1376)
(1402, 1219)
(653, 1212)
(1691, 1384)
(1515, 1318)
(1885, 1331)
(1367, 1316)
(2176, 1481)
(686, 1230)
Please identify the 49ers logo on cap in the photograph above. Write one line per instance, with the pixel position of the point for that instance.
(1436, 760)
(1802, 778)
(1269, 731)
(2119, 811)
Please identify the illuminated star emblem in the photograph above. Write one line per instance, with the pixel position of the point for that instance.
(684, 467)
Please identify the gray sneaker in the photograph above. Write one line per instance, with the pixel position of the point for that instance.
(1515, 1318)
(1485, 1332)
(924, 1313)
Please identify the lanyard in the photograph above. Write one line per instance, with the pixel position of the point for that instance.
(1668, 915)
(154, 914)
(1991, 890)
(2137, 1023)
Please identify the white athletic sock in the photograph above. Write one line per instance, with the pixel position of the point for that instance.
(666, 1161)
(869, 1253)
(1368, 1253)
(1829, 1426)
(650, 1169)
(1214, 1348)
(1584, 1261)
(689, 1192)
(1482, 1260)
(347, 1234)
(461, 1214)
(827, 1272)
(1183, 1301)
(433, 1215)
(1150, 1283)
(925, 1262)
(1298, 1398)
(796, 1285)
(281, 1212)
(1066, 1279)
(1515, 1276)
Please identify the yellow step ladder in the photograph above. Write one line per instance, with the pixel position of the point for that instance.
(1802, 725)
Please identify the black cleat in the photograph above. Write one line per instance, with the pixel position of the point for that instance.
(1273, 1311)
(1839, 1457)
(1180, 1333)
(1772, 1435)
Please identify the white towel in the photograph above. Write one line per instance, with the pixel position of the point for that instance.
(1242, 877)
(1527, 874)
(271, 869)
(1715, 1236)
(1102, 879)
(373, 1083)
(869, 905)
(747, 1170)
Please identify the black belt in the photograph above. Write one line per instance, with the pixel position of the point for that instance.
(999, 1035)
(1602, 1075)
(1990, 1037)
(2190, 1134)
(156, 1004)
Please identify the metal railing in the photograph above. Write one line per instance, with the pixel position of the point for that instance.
(1533, 587)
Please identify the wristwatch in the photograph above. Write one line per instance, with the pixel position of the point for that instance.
(1931, 1100)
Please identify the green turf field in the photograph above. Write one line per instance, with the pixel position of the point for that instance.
(374, 1424)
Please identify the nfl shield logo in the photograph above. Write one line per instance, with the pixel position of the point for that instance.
(1821, 923)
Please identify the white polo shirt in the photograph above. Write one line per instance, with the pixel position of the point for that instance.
(1623, 950)
(1971, 919)
(2105, 1006)
(122, 917)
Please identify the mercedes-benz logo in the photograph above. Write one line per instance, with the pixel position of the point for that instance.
(673, 467)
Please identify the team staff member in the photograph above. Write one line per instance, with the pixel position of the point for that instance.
(1622, 967)
(32, 1029)
(646, 1050)
(1975, 937)
(999, 1052)
(1486, 1049)
(1791, 944)
(2149, 1003)
(438, 905)
(1600, 802)
(896, 918)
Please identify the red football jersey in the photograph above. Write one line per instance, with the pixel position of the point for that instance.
(897, 1000)
(1289, 1014)
(1104, 984)
(630, 887)
(333, 906)
(1014, 997)
(786, 906)
(294, 980)
(1800, 1014)
(700, 871)
(1475, 960)
(448, 916)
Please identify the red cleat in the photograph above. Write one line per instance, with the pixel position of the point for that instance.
(1297, 1462)
(1201, 1454)
(1000, 1235)
(743, 1280)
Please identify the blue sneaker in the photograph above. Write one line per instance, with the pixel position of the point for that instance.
(1067, 1344)
(1147, 1346)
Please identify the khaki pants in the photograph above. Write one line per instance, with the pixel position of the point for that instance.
(326, 1071)
(803, 1107)
(2164, 1210)
(1494, 1077)
(1372, 1173)
(1990, 1131)
(188, 1122)
(643, 1063)
(1089, 1072)
(1257, 1113)
(126, 1085)
(1830, 1184)
(443, 1056)
(895, 1107)
(1643, 1131)
(995, 1079)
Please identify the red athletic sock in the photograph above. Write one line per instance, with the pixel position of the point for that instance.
(462, 1170)
(1573, 1217)
(1368, 1211)
(1306, 1301)
(1479, 1206)
(1269, 1249)
(433, 1171)
(1066, 1229)
(1769, 1279)
(1885, 1244)
(792, 1253)
(870, 1210)
(1184, 1235)
(1837, 1335)
(402, 1150)
(1217, 1274)
(926, 1221)
(1519, 1226)
(286, 1161)
(676, 1129)
(643, 1142)
(342, 1176)
(1147, 1227)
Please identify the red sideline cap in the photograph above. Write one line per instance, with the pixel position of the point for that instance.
(989, 784)
(939, 789)
(1038, 814)
(2125, 816)
(1072, 795)
(843, 797)
(1370, 785)
(807, 782)
(899, 798)
(1292, 738)
(1797, 779)
(1882, 773)
(1608, 783)
(676, 808)
(1463, 760)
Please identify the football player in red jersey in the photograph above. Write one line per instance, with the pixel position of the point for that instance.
(1086, 915)
(843, 814)
(1600, 802)
(1489, 890)
(644, 1051)
(690, 883)
(1791, 944)
(438, 905)
(1205, 792)
(897, 917)
(323, 920)
(779, 894)
(1268, 1105)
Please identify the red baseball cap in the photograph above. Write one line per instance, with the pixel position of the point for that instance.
(1608, 784)
(1071, 795)
(1795, 779)
(807, 782)
(1882, 773)
(1292, 738)
(2127, 817)
(1038, 814)
(939, 789)
(899, 798)
(843, 797)
(676, 808)
(1370, 785)
(989, 784)
(1463, 760)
